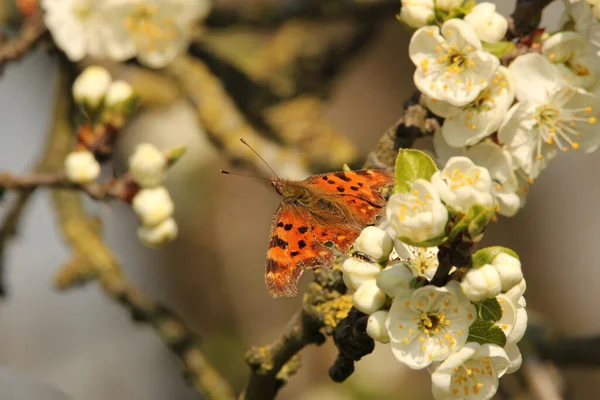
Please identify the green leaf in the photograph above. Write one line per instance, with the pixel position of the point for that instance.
(483, 332)
(487, 255)
(173, 155)
(479, 217)
(411, 165)
(489, 310)
(499, 49)
(428, 243)
(346, 168)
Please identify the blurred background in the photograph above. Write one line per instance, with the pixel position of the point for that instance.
(87, 347)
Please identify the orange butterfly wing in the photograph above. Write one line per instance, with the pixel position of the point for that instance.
(345, 203)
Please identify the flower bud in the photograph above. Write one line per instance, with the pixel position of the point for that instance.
(147, 165)
(394, 277)
(368, 298)
(118, 93)
(158, 235)
(417, 13)
(489, 25)
(153, 206)
(509, 269)
(82, 167)
(448, 5)
(481, 283)
(376, 326)
(357, 272)
(91, 86)
(374, 242)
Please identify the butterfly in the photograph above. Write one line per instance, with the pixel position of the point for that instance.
(314, 214)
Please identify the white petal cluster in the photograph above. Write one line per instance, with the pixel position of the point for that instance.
(155, 209)
(502, 274)
(451, 65)
(82, 167)
(585, 15)
(154, 31)
(417, 13)
(489, 25)
(148, 165)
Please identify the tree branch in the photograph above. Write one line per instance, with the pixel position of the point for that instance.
(32, 31)
(526, 17)
(276, 12)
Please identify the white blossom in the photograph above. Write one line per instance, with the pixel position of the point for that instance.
(90, 87)
(481, 283)
(395, 277)
(570, 53)
(368, 298)
(417, 13)
(422, 261)
(489, 25)
(470, 373)
(472, 122)
(451, 65)
(147, 165)
(509, 269)
(513, 323)
(549, 116)
(357, 272)
(586, 21)
(429, 323)
(82, 167)
(418, 215)
(155, 236)
(376, 326)
(462, 184)
(374, 242)
(153, 206)
(119, 92)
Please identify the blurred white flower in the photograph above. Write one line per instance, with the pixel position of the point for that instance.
(156, 236)
(357, 272)
(374, 242)
(489, 25)
(418, 215)
(549, 117)
(422, 261)
(90, 87)
(376, 326)
(570, 53)
(481, 283)
(417, 13)
(82, 167)
(586, 21)
(462, 184)
(153, 206)
(429, 323)
(451, 65)
(368, 298)
(448, 5)
(147, 165)
(472, 122)
(470, 373)
(119, 93)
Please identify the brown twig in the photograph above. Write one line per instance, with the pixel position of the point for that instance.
(525, 17)
(32, 31)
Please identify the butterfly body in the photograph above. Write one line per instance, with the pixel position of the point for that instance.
(314, 214)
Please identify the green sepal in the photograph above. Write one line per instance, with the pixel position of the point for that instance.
(499, 49)
(484, 332)
(456, 12)
(487, 255)
(471, 226)
(489, 310)
(173, 155)
(411, 165)
(427, 243)
(346, 168)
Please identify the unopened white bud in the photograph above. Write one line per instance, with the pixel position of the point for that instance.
(417, 13)
(376, 326)
(153, 206)
(119, 93)
(147, 165)
(394, 277)
(374, 242)
(356, 272)
(368, 298)
(489, 25)
(82, 167)
(448, 5)
(158, 235)
(91, 86)
(481, 283)
(509, 269)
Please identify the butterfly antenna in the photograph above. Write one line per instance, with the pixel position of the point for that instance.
(259, 156)
(246, 175)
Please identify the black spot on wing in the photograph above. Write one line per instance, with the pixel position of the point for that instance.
(294, 253)
(277, 242)
(362, 173)
(303, 229)
(301, 244)
(287, 227)
(325, 178)
(360, 184)
(330, 182)
(273, 266)
(280, 224)
(355, 188)
(342, 176)
(340, 189)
